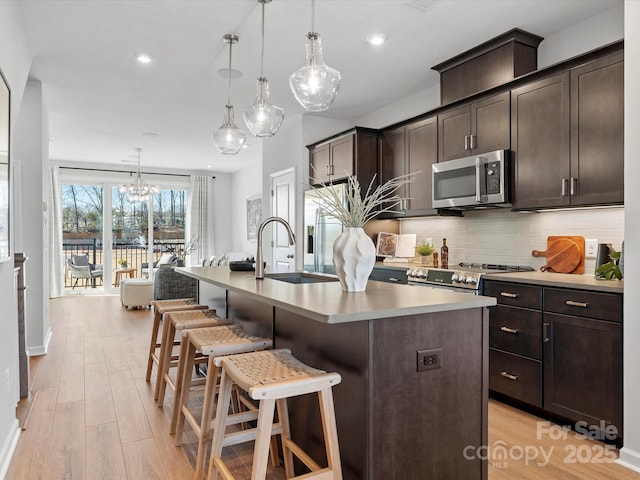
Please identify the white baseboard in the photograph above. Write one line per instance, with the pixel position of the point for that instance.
(629, 459)
(41, 349)
(9, 447)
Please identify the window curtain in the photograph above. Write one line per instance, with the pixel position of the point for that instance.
(56, 260)
(200, 218)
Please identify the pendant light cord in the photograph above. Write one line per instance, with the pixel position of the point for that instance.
(262, 49)
(313, 16)
(229, 86)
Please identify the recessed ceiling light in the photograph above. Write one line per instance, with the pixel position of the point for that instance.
(143, 58)
(376, 38)
(150, 134)
(225, 72)
(209, 166)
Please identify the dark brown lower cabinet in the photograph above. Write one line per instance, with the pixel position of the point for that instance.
(583, 372)
(559, 350)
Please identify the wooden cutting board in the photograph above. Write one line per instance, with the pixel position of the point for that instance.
(563, 255)
(579, 240)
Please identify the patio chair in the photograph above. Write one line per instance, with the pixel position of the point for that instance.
(80, 267)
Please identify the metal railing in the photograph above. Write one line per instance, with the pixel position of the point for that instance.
(132, 252)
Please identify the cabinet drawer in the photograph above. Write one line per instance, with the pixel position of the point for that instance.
(583, 303)
(514, 294)
(516, 330)
(516, 377)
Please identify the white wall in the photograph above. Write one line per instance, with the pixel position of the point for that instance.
(31, 152)
(630, 454)
(15, 61)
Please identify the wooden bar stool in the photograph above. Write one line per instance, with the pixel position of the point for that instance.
(160, 307)
(211, 342)
(177, 322)
(271, 377)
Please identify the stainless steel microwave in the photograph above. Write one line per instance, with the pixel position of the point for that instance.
(480, 181)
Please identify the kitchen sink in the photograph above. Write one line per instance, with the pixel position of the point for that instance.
(301, 277)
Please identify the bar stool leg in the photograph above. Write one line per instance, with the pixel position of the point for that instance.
(283, 418)
(182, 382)
(263, 438)
(154, 343)
(189, 360)
(166, 350)
(207, 416)
(224, 397)
(327, 411)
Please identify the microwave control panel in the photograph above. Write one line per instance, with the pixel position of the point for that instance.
(492, 171)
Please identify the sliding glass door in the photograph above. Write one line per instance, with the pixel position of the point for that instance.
(118, 238)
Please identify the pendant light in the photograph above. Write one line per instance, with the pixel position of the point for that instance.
(229, 139)
(138, 190)
(263, 118)
(315, 85)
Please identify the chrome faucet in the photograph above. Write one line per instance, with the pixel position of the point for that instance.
(259, 255)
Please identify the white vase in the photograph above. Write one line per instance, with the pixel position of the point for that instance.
(354, 256)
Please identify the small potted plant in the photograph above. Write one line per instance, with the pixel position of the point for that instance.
(122, 262)
(425, 250)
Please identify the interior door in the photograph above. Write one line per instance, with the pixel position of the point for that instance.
(283, 206)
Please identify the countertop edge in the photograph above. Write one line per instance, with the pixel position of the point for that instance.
(469, 303)
(561, 280)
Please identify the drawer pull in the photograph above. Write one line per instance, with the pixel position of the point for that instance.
(509, 330)
(509, 295)
(577, 304)
(394, 279)
(509, 376)
(545, 332)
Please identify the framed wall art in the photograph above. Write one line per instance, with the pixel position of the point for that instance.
(254, 217)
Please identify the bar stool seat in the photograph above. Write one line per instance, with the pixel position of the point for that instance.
(211, 342)
(177, 322)
(160, 307)
(271, 377)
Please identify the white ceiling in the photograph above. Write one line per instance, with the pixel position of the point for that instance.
(101, 100)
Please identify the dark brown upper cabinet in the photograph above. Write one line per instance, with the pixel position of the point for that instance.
(354, 152)
(490, 64)
(478, 127)
(411, 148)
(567, 137)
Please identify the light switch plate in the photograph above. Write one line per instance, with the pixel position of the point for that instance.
(591, 247)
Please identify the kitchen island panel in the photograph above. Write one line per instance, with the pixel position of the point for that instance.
(424, 420)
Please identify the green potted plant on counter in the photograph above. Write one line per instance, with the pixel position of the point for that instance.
(611, 269)
(425, 251)
(354, 253)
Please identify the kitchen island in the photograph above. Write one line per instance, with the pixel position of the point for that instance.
(414, 364)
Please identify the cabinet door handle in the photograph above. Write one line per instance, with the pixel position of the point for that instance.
(545, 332)
(514, 331)
(472, 141)
(326, 170)
(509, 376)
(466, 142)
(331, 169)
(508, 295)
(573, 186)
(564, 186)
(577, 304)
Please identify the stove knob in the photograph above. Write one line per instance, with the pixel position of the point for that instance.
(471, 280)
(461, 279)
(422, 274)
(408, 273)
(454, 277)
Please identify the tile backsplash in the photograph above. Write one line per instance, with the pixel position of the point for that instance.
(502, 236)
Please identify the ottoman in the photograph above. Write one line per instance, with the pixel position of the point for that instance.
(136, 292)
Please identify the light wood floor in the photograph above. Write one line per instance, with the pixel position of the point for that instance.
(91, 414)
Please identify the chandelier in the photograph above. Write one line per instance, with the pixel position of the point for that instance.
(315, 85)
(229, 139)
(263, 118)
(138, 190)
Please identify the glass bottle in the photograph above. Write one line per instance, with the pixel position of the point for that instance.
(444, 254)
(435, 259)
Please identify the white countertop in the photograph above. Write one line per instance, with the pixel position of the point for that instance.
(326, 302)
(565, 280)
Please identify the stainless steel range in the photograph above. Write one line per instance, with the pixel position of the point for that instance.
(467, 277)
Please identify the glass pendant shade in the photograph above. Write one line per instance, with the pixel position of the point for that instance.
(229, 139)
(138, 190)
(315, 85)
(263, 118)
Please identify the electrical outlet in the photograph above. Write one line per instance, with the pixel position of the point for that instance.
(591, 247)
(429, 359)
